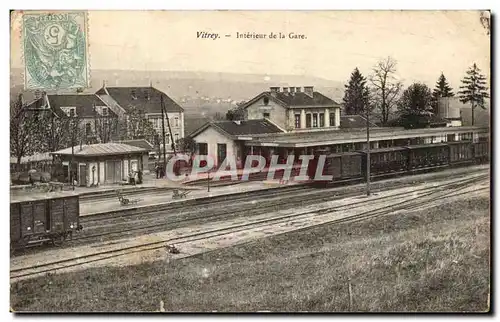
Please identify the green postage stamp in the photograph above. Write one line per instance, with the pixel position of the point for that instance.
(55, 50)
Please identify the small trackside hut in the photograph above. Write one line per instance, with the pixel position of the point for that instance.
(104, 163)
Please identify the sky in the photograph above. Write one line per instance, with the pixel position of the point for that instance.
(424, 43)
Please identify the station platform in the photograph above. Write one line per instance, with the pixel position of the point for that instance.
(91, 207)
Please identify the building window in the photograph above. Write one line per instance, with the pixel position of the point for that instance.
(297, 121)
(176, 136)
(72, 112)
(315, 120)
(133, 94)
(332, 118)
(202, 148)
(176, 121)
(267, 115)
(308, 120)
(321, 120)
(266, 100)
(105, 111)
(88, 129)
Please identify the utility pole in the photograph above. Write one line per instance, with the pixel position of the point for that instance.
(367, 150)
(168, 124)
(208, 181)
(163, 134)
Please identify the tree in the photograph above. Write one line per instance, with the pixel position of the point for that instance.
(386, 87)
(474, 89)
(415, 105)
(187, 144)
(105, 127)
(22, 130)
(356, 95)
(236, 114)
(442, 89)
(138, 126)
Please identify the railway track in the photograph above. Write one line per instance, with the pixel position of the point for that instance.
(154, 223)
(221, 199)
(424, 197)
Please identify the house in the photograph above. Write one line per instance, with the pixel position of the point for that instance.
(102, 163)
(98, 123)
(295, 109)
(124, 100)
(226, 138)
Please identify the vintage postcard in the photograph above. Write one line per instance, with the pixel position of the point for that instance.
(250, 161)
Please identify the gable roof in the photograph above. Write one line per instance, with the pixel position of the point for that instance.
(101, 149)
(296, 99)
(237, 128)
(84, 104)
(354, 121)
(148, 98)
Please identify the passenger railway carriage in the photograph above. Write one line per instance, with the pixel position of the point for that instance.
(43, 217)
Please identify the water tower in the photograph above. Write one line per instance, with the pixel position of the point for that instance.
(449, 110)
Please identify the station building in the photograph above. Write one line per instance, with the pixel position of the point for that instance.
(285, 122)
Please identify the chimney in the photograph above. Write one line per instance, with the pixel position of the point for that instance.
(285, 89)
(274, 89)
(297, 89)
(103, 84)
(309, 90)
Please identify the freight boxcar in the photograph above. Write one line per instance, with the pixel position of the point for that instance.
(461, 153)
(341, 166)
(481, 151)
(432, 156)
(387, 160)
(44, 217)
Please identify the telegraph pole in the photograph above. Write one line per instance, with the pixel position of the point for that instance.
(208, 181)
(163, 134)
(367, 150)
(169, 128)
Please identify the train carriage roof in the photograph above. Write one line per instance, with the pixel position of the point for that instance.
(383, 150)
(333, 155)
(26, 196)
(434, 145)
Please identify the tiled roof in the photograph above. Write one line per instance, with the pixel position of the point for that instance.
(143, 144)
(302, 99)
(297, 99)
(148, 98)
(84, 103)
(353, 121)
(101, 149)
(248, 127)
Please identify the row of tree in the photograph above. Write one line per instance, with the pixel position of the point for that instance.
(40, 130)
(382, 93)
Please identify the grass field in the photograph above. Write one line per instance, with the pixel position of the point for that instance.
(432, 260)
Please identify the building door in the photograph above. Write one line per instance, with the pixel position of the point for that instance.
(221, 153)
(113, 171)
(82, 178)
